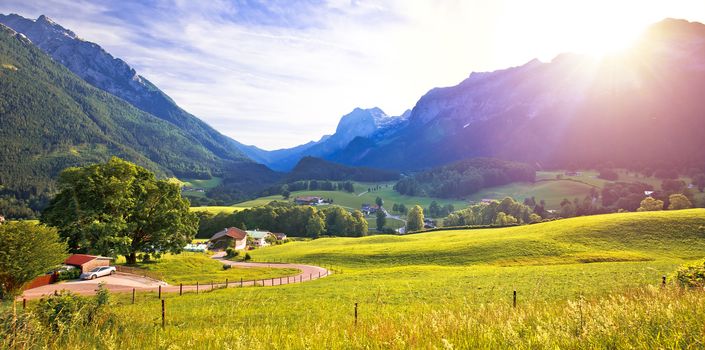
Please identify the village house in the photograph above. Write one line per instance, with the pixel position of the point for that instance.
(368, 209)
(308, 200)
(648, 193)
(280, 236)
(87, 262)
(225, 238)
(259, 238)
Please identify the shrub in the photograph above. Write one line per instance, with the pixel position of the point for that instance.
(247, 257)
(70, 274)
(231, 253)
(66, 311)
(226, 267)
(690, 275)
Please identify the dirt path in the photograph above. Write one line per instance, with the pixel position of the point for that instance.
(123, 282)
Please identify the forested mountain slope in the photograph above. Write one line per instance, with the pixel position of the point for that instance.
(51, 119)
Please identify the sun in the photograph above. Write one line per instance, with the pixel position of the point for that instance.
(607, 38)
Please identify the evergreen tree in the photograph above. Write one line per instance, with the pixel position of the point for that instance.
(381, 220)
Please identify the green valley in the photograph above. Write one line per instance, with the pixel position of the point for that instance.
(580, 283)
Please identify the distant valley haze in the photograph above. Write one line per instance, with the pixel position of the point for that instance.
(277, 74)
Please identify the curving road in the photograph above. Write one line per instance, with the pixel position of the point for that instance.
(123, 282)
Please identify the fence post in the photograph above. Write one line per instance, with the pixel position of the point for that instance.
(310, 276)
(280, 281)
(663, 281)
(133, 295)
(160, 291)
(319, 274)
(301, 278)
(272, 281)
(211, 284)
(196, 287)
(163, 314)
(240, 282)
(356, 314)
(24, 303)
(181, 289)
(515, 298)
(226, 283)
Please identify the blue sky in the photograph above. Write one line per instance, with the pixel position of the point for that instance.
(281, 73)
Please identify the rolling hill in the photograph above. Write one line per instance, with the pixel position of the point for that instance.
(590, 282)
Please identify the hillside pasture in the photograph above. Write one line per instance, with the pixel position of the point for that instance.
(588, 282)
(189, 268)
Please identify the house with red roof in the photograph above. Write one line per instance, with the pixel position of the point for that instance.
(229, 237)
(87, 262)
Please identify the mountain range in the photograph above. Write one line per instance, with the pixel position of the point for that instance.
(66, 102)
(636, 108)
(358, 123)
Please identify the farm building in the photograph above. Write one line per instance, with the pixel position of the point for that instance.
(368, 209)
(225, 238)
(308, 200)
(87, 262)
(259, 237)
(280, 236)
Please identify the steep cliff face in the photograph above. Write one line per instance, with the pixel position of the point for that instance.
(358, 123)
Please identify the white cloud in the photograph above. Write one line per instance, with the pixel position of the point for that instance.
(283, 73)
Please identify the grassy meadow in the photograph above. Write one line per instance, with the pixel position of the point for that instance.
(189, 268)
(587, 282)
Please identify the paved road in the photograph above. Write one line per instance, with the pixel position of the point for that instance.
(123, 282)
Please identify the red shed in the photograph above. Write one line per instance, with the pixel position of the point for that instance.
(87, 262)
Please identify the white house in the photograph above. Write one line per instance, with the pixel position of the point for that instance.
(259, 237)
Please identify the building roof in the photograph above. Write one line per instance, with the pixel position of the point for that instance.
(308, 198)
(80, 259)
(258, 234)
(232, 232)
(279, 235)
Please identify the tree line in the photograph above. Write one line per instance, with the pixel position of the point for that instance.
(294, 220)
(464, 178)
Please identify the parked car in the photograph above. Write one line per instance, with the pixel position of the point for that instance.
(98, 272)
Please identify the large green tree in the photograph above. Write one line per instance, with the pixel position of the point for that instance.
(27, 250)
(679, 201)
(119, 208)
(414, 221)
(650, 204)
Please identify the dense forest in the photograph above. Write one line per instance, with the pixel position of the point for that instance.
(464, 177)
(312, 168)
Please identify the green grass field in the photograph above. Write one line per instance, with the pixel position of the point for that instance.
(217, 209)
(361, 196)
(587, 282)
(189, 268)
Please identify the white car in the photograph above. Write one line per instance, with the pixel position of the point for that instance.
(98, 272)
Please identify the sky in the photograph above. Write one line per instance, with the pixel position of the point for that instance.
(276, 74)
